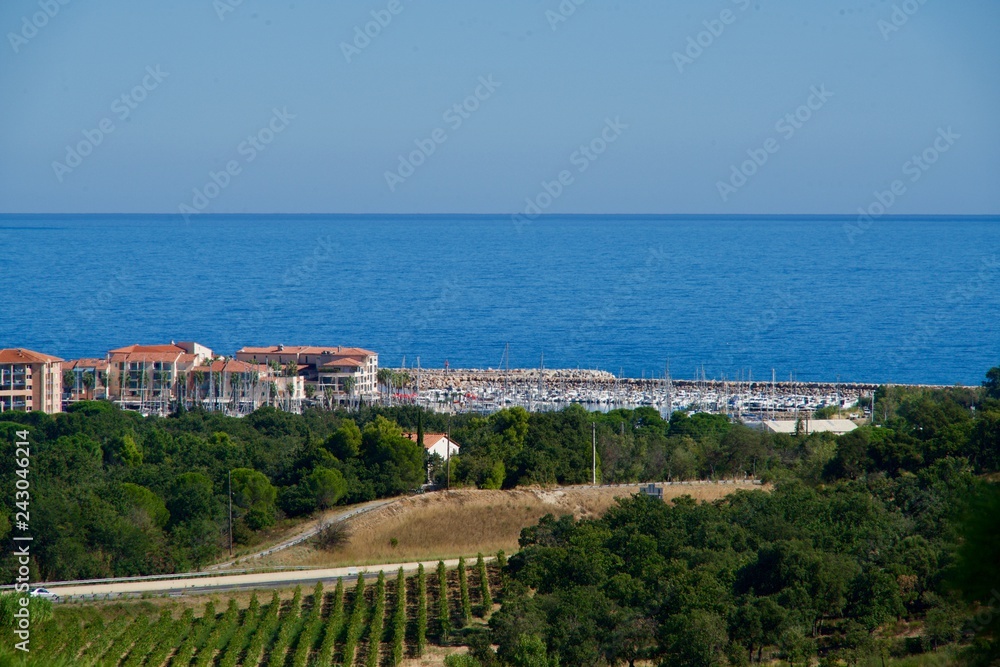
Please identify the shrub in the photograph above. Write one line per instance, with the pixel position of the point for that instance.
(484, 586)
(421, 610)
(444, 615)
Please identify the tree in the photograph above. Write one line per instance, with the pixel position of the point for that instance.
(349, 384)
(124, 450)
(852, 459)
(191, 498)
(88, 383)
(395, 461)
(977, 575)
(530, 652)
(992, 382)
(254, 494)
(326, 486)
(345, 442)
(145, 506)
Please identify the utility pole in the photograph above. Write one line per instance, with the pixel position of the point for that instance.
(230, 513)
(448, 460)
(594, 444)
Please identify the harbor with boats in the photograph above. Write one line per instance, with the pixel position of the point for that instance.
(489, 390)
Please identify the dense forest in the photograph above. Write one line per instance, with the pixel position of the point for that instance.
(881, 543)
(858, 550)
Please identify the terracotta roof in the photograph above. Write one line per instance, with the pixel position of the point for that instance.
(148, 348)
(22, 356)
(97, 364)
(343, 361)
(308, 349)
(231, 366)
(147, 357)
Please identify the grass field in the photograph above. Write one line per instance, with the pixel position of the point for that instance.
(370, 625)
(449, 524)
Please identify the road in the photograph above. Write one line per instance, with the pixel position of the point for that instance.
(305, 534)
(228, 582)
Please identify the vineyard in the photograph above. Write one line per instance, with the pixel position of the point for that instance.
(358, 623)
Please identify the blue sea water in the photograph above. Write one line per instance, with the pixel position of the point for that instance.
(903, 300)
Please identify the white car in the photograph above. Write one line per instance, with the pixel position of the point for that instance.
(44, 593)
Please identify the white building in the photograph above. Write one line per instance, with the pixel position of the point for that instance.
(437, 443)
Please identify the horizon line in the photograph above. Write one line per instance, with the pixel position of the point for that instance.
(660, 216)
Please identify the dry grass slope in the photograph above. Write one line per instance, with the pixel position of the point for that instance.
(464, 522)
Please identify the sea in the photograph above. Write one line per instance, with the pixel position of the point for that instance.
(896, 299)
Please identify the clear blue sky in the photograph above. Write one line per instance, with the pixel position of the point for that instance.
(892, 92)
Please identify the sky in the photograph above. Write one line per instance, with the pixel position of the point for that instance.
(514, 107)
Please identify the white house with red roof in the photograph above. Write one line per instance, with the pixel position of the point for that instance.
(437, 443)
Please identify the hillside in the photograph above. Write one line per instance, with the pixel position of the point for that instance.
(467, 521)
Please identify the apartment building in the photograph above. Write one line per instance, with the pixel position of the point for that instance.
(150, 378)
(87, 380)
(347, 372)
(30, 381)
(230, 385)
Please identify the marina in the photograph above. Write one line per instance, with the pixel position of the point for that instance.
(489, 390)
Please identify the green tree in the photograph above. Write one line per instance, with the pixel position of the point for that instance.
(977, 575)
(124, 450)
(992, 382)
(146, 507)
(254, 494)
(345, 442)
(191, 498)
(326, 486)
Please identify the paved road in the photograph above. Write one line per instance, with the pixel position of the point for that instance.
(305, 535)
(217, 583)
(205, 582)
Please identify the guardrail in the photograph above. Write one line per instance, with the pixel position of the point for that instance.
(158, 577)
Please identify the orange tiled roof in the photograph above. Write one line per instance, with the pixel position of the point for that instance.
(147, 357)
(343, 361)
(430, 439)
(231, 366)
(308, 349)
(96, 364)
(22, 356)
(129, 349)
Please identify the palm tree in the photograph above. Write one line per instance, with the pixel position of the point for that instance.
(143, 385)
(199, 379)
(349, 384)
(384, 380)
(69, 377)
(88, 383)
